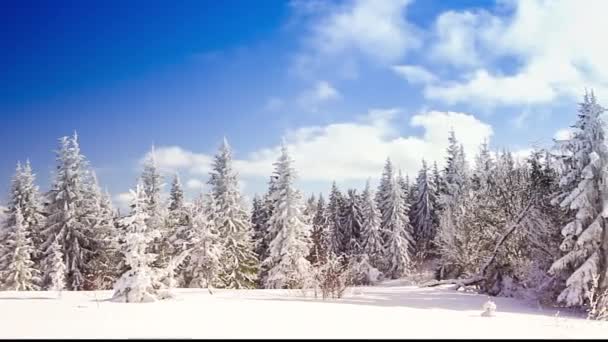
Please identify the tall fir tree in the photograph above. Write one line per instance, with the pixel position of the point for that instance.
(583, 165)
(25, 196)
(137, 284)
(371, 232)
(353, 220)
(423, 211)
(287, 262)
(335, 213)
(69, 220)
(398, 240)
(320, 236)
(151, 181)
(239, 262)
(18, 272)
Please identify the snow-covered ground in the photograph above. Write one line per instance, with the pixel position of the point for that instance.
(388, 311)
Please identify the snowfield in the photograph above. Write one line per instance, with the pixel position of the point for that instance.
(367, 312)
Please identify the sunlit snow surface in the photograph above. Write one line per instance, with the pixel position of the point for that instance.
(386, 311)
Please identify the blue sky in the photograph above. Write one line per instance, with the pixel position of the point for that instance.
(346, 83)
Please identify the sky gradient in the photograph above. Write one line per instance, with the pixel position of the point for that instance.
(345, 83)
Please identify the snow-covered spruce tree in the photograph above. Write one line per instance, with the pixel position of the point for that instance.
(136, 285)
(321, 238)
(385, 184)
(259, 223)
(152, 183)
(55, 267)
(310, 208)
(176, 215)
(423, 211)
(398, 240)
(239, 262)
(335, 214)
(24, 195)
(287, 263)
(262, 224)
(69, 218)
(483, 166)
(371, 233)
(583, 191)
(202, 239)
(18, 272)
(353, 220)
(452, 193)
(99, 216)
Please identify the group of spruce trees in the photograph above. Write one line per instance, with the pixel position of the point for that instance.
(449, 220)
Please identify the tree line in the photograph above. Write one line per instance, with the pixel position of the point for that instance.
(534, 226)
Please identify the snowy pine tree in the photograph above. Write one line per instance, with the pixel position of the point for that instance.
(353, 220)
(18, 272)
(423, 211)
(152, 183)
(69, 217)
(583, 170)
(136, 285)
(398, 240)
(287, 263)
(55, 267)
(239, 262)
(335, 213)
(24, 195)
(321, 237)
(202, 238)
(371, 233)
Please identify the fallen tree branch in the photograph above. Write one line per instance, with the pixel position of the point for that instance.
(514, 226)
(481, 276)
(459, 282)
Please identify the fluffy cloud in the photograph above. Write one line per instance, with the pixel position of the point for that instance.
(195, 184)
(353, 150)
(552, 44)
(376, 30)
(414, 74)
(123, 200)
(321, 92)
(563, 134)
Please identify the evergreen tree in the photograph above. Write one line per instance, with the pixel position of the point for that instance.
(176, 196)
(371, 233)
(202, 238)
(583, 167)
(69, 213)
(321, 239)
(152, 183)
(55, 267)
(18, 272)
(335, 213)
(239, 262)
(287, 263)
(353, 220)
(24, 195)
(398, 232)
(137, 283)
(423, 211)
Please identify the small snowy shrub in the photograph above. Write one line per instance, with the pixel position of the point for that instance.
(489, 308)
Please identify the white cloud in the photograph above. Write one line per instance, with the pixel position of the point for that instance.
(195, 184)
(553, 45)
(123, 200)
(414, 74)
(173, 158)
(357, 150)
(377, 30)
(321, 92)
(563, 134)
